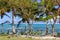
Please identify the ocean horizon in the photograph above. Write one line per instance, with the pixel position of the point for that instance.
(35, 27)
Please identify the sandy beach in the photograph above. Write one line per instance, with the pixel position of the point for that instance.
(43, 37)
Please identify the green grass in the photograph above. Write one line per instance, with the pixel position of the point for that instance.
(14, 38)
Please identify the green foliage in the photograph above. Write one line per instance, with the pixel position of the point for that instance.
(35, 33)
(3, 34)
(27, 10)
(22, 33)
(58, 34)
(47, 8)
(48, 17)
(3, 7)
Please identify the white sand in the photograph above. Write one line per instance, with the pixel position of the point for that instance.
(43, 37)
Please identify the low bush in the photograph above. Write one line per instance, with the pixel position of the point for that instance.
(58, 34)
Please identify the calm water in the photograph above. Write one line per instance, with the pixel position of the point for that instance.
(35, 27)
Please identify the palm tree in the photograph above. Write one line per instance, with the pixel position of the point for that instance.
(6, 6)
(56, 13)
(47, 8)
(27, 10)
(13, 4)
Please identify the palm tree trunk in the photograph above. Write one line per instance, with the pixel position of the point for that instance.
(29, 28)
(47, 27)
(25, 28)
(32, 21)
(55, 18)
(13, 29)
(53, 30)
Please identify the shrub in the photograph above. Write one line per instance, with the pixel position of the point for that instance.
(58, 34)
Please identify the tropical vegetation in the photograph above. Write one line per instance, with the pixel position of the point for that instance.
(29, 10)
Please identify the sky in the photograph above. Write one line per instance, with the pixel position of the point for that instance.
(5, 18)
(17, 19)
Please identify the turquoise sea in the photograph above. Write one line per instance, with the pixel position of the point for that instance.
(35, 27)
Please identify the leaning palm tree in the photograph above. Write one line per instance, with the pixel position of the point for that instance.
(26, 7)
